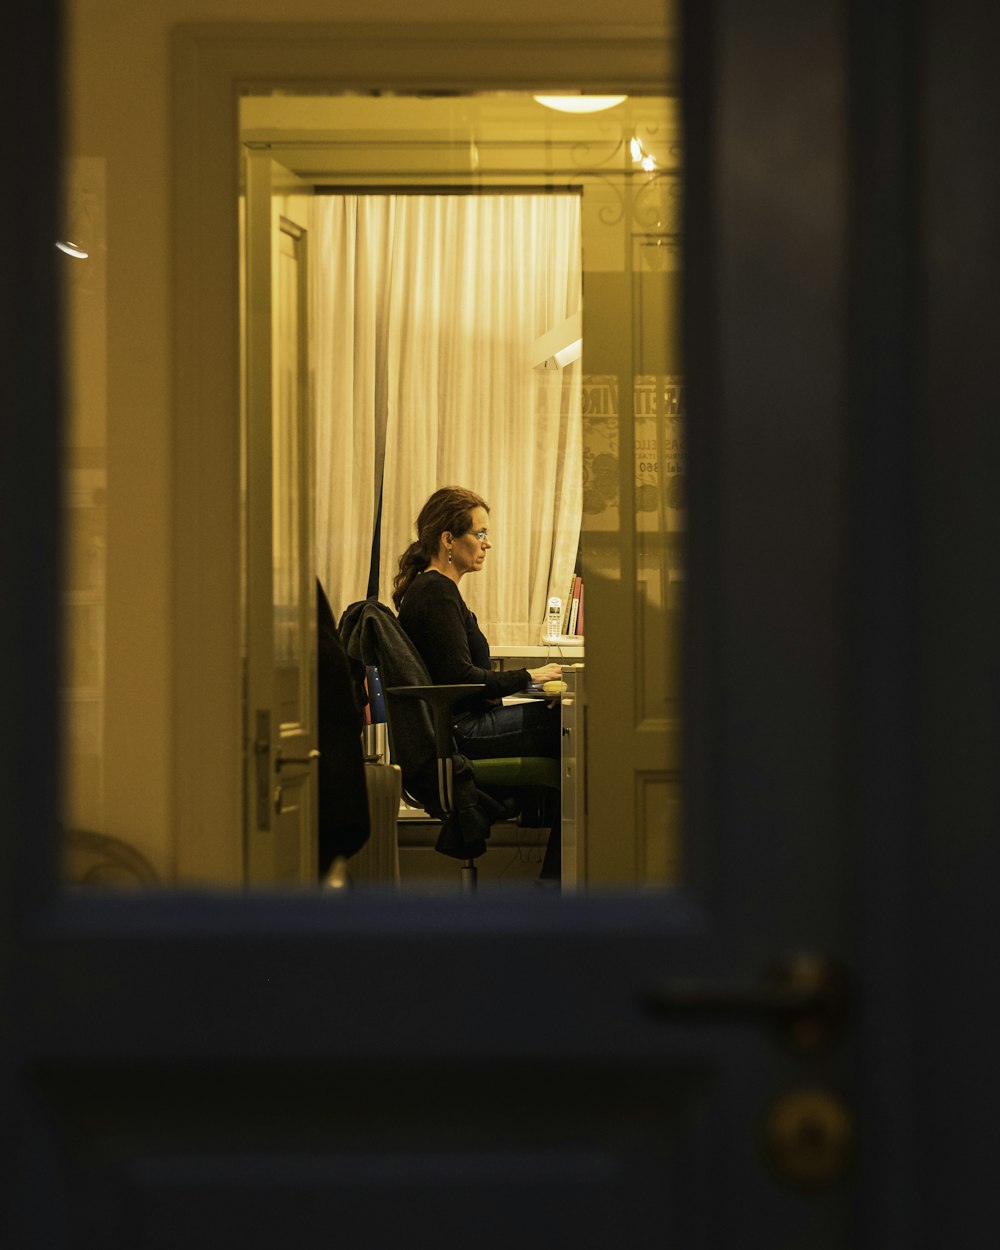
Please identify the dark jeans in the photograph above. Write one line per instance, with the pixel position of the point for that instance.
(521, 729)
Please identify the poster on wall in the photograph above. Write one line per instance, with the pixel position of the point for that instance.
(658, 452)
(599, 408)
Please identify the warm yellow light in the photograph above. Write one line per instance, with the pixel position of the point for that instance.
(640, 155)
(72, 249)
(579, 103)
(568, 354)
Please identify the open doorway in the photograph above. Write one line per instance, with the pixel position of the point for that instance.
(585, 201)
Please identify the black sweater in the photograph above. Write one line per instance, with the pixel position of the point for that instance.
(454, 648)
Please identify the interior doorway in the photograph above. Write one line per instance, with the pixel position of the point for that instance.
(615, 518)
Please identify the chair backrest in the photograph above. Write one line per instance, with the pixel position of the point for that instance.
(373, 636)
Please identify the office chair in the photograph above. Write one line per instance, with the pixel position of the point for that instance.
(467, 796)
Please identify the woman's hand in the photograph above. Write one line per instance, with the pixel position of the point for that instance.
(548, 672)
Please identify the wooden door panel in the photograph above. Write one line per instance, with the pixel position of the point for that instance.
(280, 695)
(250, 1066)
(417, 1155)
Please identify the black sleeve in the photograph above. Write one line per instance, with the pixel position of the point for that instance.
(446, 649)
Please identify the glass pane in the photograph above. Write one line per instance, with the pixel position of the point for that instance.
(568, 422)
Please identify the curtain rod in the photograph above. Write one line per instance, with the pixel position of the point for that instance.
(440, 189)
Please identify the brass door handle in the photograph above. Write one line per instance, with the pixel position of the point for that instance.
(803, 998)
(281, 760)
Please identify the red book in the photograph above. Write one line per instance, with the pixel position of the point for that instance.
(574, 606)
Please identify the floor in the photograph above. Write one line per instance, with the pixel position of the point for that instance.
(513, 858)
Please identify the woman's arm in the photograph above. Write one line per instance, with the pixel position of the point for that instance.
(548, 672)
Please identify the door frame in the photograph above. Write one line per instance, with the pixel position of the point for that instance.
(924, 254)
(213, 63)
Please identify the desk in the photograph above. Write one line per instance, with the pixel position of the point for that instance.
(572, 774)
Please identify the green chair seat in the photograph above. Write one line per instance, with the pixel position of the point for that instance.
(517, 770)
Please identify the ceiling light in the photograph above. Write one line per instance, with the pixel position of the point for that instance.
(72, 249)
(579, 103)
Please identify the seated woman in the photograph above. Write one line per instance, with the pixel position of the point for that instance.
(452, 540)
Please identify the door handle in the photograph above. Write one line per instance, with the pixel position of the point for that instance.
(281, 760)
(804, 998)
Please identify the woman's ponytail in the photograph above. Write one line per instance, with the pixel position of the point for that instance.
(411, 562)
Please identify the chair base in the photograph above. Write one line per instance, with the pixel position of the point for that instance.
(470, 876)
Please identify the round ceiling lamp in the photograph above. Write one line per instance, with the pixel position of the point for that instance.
(579, 103)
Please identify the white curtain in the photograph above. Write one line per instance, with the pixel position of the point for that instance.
(427, 311)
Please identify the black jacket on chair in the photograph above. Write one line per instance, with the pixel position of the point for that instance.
(343, 797)
(372, 636)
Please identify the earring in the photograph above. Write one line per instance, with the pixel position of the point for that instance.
(449, 555)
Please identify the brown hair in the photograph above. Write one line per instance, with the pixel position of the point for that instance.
(449, 510)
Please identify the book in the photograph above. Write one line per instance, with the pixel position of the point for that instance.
(575, 608)
(579, 616)
(567, 607)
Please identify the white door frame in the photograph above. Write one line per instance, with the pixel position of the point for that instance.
(213, 65)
